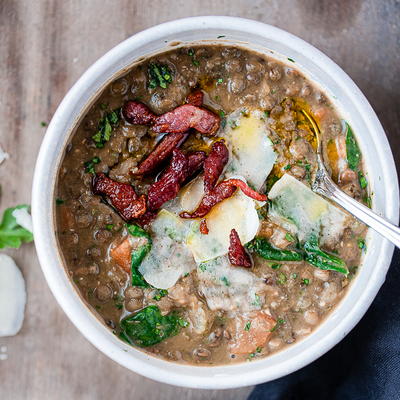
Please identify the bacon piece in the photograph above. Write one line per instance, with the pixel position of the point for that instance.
(195, 98)
(247, 190)
(237, 253)
(147, 218)
(167, 187)
(214, 165)
(203, 227)
(138, 113)
(182, 118)
(222, 191)
(121, 196)
(163, 151)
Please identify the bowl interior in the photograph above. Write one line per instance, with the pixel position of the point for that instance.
(350, 103)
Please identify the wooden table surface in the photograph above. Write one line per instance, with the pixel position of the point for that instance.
(44, 47)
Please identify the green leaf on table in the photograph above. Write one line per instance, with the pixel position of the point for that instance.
(148, 326)
(13, 234)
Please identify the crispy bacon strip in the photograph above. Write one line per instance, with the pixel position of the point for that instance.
(167, 187)
(237, 253)
(179, 120)
(247, 190)
(162, 152)
(147, 218)
(222, 191)
(203, 227)
(195, 98)
(182, 118)
(138, 113)
(214, 165)
(121, 196)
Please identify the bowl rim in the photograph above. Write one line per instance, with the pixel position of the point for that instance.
(219, 377)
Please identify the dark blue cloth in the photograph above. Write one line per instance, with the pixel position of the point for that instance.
(364, 366)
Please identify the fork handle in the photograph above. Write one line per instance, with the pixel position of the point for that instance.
(326, 187)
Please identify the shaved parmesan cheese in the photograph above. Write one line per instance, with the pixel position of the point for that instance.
(23, 218)
(191, 195)
(238, 212)
(253, 156)
(229, 288)
(301, 211)
(169, 257)
(12, 297)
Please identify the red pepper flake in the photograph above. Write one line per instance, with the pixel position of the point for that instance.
(203, 227)
(214, 165)
(121, 196)
(237, 253)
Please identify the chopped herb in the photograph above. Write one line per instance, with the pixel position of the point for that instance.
(103, 106)
(223, 118)
(361, 244)
(59, 201)
(195, 62)
(287, 167)
(282, 278)
(247, 326)
(305, 281)
(368, 201)
(363, 180)
(271, 180)
(294, 275)
(203, 266)
(182, 322)
(105, 127)
(273, 91)
(110, 227)
(279, 322)
(160, 294)
(266, 113)
(257, 301)
(148, 326)
(159, 76)
(220, 36)
(291, 59)
(219, 81)
(97, 307)
(217, 98)
(275, 266)
(11, 233)
(118, 306)
(89, 165)
(289, 237)
(224, 279)
(259, 349)
(43, 123)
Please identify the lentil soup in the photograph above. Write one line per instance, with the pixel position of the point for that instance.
(184, 210)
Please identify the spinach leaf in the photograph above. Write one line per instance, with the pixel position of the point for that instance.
(352, 149)
(263, 248)
(106, 125)
(11, 233)
(139, 254)
(159, 75)
(148, 327)
(321, 259)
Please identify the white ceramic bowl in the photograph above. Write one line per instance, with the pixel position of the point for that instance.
(354, 107)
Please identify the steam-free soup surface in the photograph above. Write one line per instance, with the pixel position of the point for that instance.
(187, 289)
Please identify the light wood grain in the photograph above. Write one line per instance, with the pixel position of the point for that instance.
(44, 47)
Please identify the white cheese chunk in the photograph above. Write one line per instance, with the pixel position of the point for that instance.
(169, 257)
(12, 297)
(229, 288)
(298, 209)
(253, 156)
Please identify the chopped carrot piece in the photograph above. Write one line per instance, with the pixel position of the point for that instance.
(122, 254)
(251, 332)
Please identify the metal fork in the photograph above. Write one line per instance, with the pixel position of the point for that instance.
(325, 186)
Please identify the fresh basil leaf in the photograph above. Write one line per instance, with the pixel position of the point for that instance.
(148, 327)
(11, 233)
